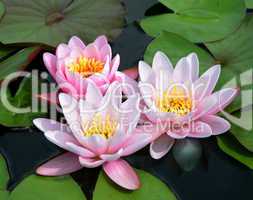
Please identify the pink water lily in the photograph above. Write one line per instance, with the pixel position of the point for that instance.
(75, 64)
(100, 130)
(181, 101)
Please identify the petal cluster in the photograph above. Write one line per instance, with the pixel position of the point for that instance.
(181, 100)
(74, 64)
(99, 131)
(102, 127)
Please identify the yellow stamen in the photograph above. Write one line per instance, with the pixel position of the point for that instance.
(174, 101)
(86, 66)
(105, 127)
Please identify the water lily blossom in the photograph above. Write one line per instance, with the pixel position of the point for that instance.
(181, 101)
(100, 130)
(75, 64)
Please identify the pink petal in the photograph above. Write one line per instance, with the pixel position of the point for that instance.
(90, 163)
(107, 67)
(178, 134)
(76, 42)
(132, 72)
(62, 51)
(106, 51)
(61, 165)
(209, 79)
(163, 80)
(224, 98)
(217, 124)
(103, 88)
(115, 66)
(97, 144)
(111, 157)
(155, 116)
(147, 93)
(93, 94)
(129, 85)
(49, 97)
(101, 41)
(200, 130)
(145, 71)
(136, 142)
(79, 150)
(205, 106)
(87, 111)
(116, 141)
(181, 71)
(60, 139)
(193, 66)
(99, 79)
(129, 109)
(50, 125)
(162, 62)
(91, 51)
(122, 173)
(70, 110)
(50, 63)
(161, 146)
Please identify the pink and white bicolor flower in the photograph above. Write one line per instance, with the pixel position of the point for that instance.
(99, 131)
(181, 101)
(74, 64)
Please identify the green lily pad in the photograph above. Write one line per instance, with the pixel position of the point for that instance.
(235, 51)
(197, 21)
(17, 61)
(1, 9)
(22, 99)
(38, 187)
(233, 148)
(243, 130)
(152, 189)
(54, 22)
(3, 174)
(249, 3)
(4, 178)
(4, 195)
(43, 188)
(176, 47)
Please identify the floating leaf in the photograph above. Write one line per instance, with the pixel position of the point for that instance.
(176, 47)
(18, 61)
(4, 195)
(4, 178)
(53, 22)
(243, 130)
(198, 21)
(1, 9)
(187, 153)
(22, 99)
(233, 148)
(4, 175)
(236, 56)
(249, 3)
(152, 189)
(36, 187)
(235, 51)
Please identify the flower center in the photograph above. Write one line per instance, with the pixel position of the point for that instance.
(105, 127)
(86, 66)
(175, 101)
